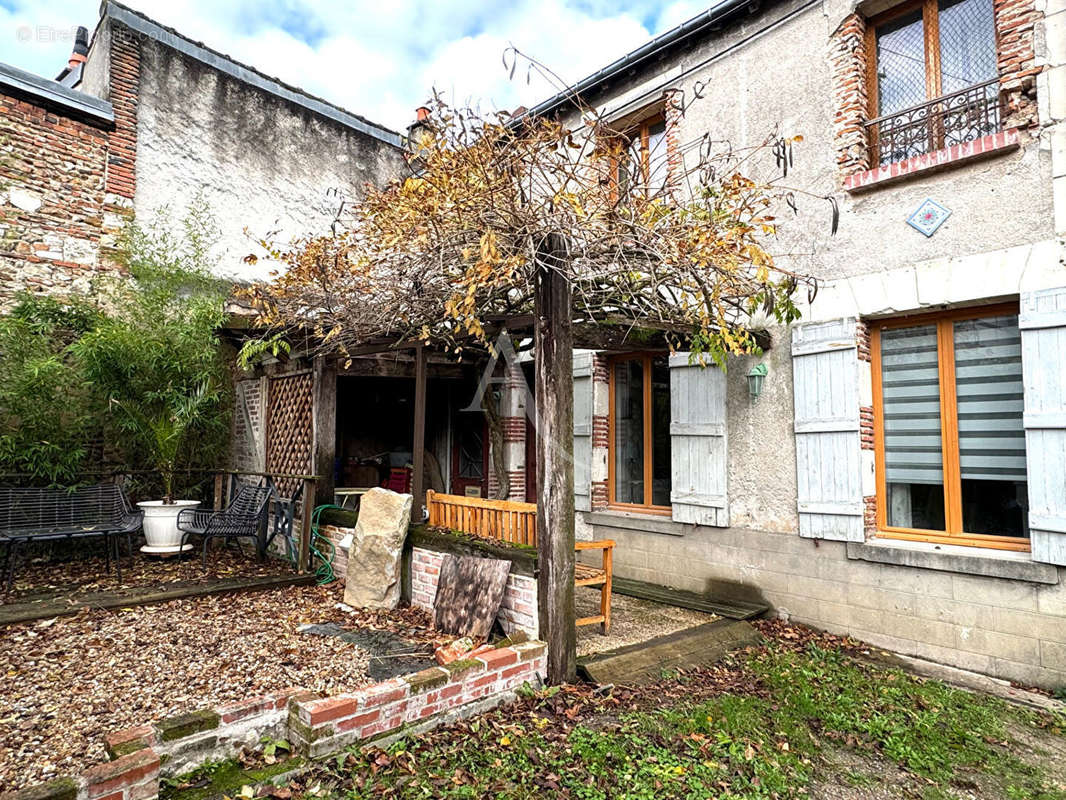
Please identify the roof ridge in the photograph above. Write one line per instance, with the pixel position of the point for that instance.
(142, 23)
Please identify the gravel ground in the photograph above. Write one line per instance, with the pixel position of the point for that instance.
(68, 681)
(64, 569)
(632, 621)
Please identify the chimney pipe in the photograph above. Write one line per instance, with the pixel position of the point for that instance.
(80, 53)
(421, 113)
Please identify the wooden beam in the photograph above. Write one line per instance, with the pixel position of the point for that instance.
(555, 460)
(418, 449)
(303, 563)
(324, 427)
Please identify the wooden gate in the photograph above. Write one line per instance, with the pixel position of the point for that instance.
(290, 429)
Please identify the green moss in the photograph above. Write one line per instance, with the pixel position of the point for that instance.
(57, 789)
(460, 667)
(187, 724)
(426, 679)
(223, 778)
(522, 557)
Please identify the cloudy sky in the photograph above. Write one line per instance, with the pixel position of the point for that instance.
(378, 58)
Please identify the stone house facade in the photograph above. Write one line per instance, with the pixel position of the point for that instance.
(900, 475)
(146, 118)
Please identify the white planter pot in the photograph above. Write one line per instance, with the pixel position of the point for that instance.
(161, 525)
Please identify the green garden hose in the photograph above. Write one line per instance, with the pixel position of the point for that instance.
(323, 562)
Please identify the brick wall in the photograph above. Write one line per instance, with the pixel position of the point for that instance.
(67, 185)
(316, 726)
(847, 61)
(600, 428)
(52, 200)
(519, 609)
(323, 727)
(125, 75)
(249, 436)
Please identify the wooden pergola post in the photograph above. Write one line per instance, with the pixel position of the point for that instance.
(323, 427)
(554, 345)
(418, 447)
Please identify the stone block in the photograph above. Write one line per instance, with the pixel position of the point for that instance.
(374, 559)
(182, 725)
(425, 680)
(994, 592)
(930, 631)
(975, 662)
(57, 789)
(1053, 656)
(129, 740)
(1023, 649)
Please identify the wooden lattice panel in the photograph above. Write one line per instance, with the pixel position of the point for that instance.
(290, 429)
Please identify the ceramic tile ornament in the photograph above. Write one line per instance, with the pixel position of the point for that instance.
(928, 217)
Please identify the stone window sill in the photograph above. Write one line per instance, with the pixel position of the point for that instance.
(634, 521)
(954, 558)
(985, 147)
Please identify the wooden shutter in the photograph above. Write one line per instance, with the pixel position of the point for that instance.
(699, 468)
(828, 448)
(582, 431)
(1043, 326)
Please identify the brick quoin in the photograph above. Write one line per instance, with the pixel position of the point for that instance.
(124, 85)
(1015, 23)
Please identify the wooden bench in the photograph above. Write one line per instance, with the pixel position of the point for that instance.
(511, 521)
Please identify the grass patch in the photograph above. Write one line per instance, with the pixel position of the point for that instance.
(769, 735)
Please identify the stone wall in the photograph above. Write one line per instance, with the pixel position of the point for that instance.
(54, 206)
(261, 163)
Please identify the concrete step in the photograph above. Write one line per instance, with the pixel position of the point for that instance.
(647, 662)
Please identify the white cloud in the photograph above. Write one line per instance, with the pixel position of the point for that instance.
(378, 59)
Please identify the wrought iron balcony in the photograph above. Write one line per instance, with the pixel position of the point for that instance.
(952, 119)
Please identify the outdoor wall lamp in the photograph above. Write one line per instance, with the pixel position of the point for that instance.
(755, 379)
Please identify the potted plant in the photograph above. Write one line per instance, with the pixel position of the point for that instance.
(163, 428)
(157, 361)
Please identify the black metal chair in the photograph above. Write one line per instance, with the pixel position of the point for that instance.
(240, 519)
(32, 514)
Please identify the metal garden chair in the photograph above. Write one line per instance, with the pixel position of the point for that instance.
(240, 519)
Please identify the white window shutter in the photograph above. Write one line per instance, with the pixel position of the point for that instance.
(582, 431)
(700, 470)
(1043, 326)
(825, 371)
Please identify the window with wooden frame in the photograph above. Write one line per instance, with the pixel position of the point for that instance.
(638, 461)
(638, 159)
(949, 441)
(932, 77)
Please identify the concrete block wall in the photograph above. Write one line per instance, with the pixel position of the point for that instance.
(1010, 628)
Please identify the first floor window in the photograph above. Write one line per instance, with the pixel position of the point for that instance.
(639, 436)
(949, 438)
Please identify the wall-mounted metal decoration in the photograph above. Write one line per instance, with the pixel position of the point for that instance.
(929, 216)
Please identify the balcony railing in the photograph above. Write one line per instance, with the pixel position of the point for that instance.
(952, 119)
